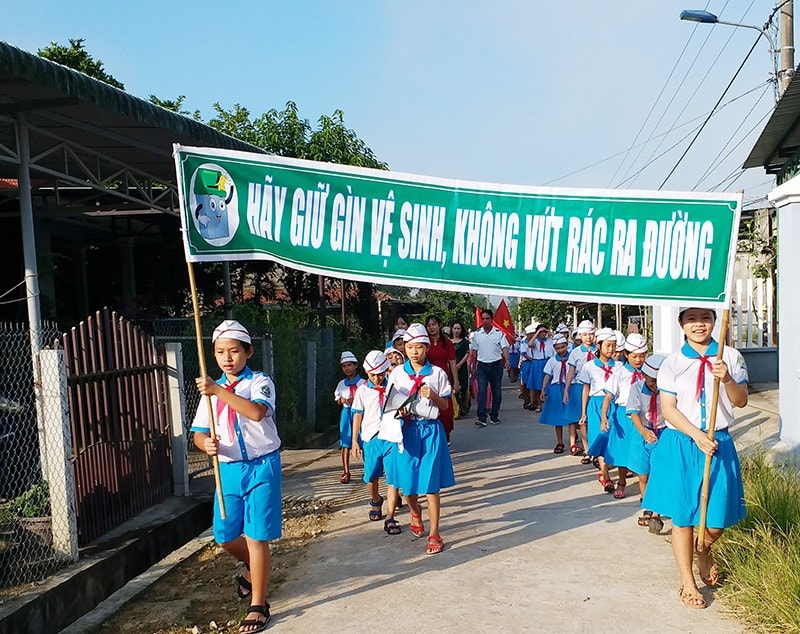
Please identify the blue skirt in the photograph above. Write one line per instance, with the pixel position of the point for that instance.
(553, 408)
(513, 359)
(639, 452)
(524, 371)
(619, 437)
(425, 465)
(574, 407)
(377, 459)
(535, 376)
(346, 428)
(611, 444)
(676, 481)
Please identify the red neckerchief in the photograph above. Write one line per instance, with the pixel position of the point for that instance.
(607, 370)
(636, 376)
(417, 380)
(701, 374)
(231, 412)
(381, 390)
(563, 374)
(541, 345)
(589, 355)
(653, 410)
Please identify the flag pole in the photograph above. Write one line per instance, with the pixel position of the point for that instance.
(204, 373)
(712, 423)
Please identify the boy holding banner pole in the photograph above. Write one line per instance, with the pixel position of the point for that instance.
(686, 382)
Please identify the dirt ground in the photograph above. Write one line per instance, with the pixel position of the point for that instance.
(199, 594)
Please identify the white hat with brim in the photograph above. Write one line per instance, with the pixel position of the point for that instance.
(559, 339)
(348, 357)
(605, 334)
(620, 339)
(416, 333)
(586, 327)
(636, 343)
(375, 362)
(530, 329)
(652, 365)
(562, 327)
(398, 334)
(231, 329)
(392, 349)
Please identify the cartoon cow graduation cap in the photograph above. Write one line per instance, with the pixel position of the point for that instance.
(212, 199)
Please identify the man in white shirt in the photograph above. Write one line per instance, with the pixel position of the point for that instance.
(491, 347)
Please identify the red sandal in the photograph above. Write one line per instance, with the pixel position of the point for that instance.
(417, 530)
(575, 450)
(435, 545)
(345, 477)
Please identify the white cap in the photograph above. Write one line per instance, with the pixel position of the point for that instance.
(636, 343)
(392, 349)
(347, 357)
(576, 335)
(376, 362)
(604, 334)
(559, 339)
(681, 309)
(416, 333)
(620, 339)
(398, 334)
(586, 326)
(231, 329)
(562, 327)
(530, 329)
(652, 364)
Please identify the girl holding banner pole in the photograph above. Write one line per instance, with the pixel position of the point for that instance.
(686, 381)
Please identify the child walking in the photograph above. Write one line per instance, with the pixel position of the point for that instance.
(573, 388)
(541, 350)
(686, 383)
(343, 394)
(247, 444)
(597, 379)
(645, 413)
(424, 466)
(554, 410)
(367, 410)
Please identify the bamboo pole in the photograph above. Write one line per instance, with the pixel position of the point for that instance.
(204, 373)
(701, 529)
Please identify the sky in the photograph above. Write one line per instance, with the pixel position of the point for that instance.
(561, 94)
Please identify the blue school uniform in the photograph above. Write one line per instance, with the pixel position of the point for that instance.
(577, 359)
(541, 351)
(368, 402)
(424, 466)
(554, 410)
(677, 464)
(346, 389)
(607, 444)
(646, 405)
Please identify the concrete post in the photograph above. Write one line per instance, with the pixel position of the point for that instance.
(786, 198)
(58, 444)
(311, 383)
(177, 409)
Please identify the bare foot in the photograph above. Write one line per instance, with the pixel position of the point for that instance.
(709, 572)
(692, 598)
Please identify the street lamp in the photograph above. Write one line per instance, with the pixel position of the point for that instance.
(706, 17)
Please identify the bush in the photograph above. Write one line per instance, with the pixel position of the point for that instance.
(761, 555)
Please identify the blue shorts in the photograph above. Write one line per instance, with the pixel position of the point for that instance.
(377, 459)
(252, 493)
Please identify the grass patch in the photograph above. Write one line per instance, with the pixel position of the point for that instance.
(761, 555)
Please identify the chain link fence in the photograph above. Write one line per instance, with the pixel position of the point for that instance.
(33, 461)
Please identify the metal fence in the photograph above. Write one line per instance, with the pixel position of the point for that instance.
(27, 550)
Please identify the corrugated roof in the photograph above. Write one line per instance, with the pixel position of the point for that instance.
(780, 138)
(98, 116)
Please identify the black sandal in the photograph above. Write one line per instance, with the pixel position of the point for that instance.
(263, 610)
(243, 587)
(392, 527)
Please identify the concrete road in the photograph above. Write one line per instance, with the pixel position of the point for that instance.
(531, 544)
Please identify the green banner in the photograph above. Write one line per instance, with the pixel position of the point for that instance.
(613, 246)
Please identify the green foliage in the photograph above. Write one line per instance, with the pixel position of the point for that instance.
(450, 306)
(35, 502)
(760, 248)
(546, 311)
(75, 56)
(761, 555)
(175, 105)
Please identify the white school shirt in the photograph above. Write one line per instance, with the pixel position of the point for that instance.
(678, 376)
(553, 369)
(249, 439)
(639, 403)
(577, 359)
(525, 352)
(624, 382)
(367, 402)
(489, 345)
(594, 376)
(541, 348)
(343, 389)
(436, 378)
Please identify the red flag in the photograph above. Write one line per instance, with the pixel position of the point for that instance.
(502, 319)
(478, 322)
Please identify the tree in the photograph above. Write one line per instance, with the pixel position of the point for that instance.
(549, 312)
(175, 105)
(75, 56)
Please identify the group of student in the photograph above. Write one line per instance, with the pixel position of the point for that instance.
(642, 413)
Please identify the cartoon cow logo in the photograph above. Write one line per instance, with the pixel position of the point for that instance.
(214, 204)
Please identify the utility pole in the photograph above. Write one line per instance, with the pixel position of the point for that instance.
(786, 26)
